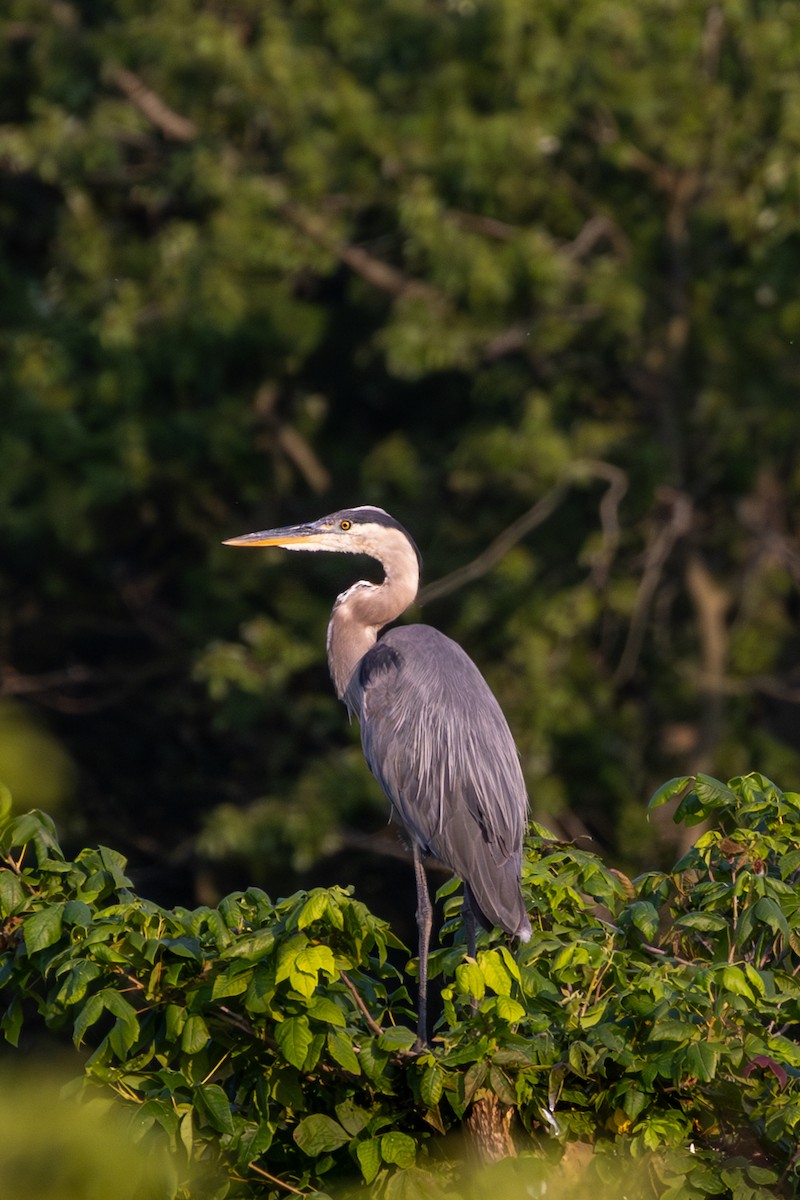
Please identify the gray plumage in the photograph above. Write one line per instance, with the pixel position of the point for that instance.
(436, 740)
(433, 734)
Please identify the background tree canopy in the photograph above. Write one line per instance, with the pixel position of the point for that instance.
(525, 275)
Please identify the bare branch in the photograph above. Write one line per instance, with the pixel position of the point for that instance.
(374, 270)
(497, 550)
(597, 229)
(253, 1166)
(373, 1024)
(711, 603)
(174, 126)
(491, 227)
(659, 550)
(16, 684)
(713, 35)
(544, 507)
(609, 518)
(289, 440)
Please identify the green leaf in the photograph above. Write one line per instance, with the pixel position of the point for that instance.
(706, 922)
(253, 946)
(470, 980)
(352, 1116)
(431, 1085)
(341, 1049)
(294, 1039)
(123, 1036)
(474, 1079)
(22, 829)
(374, 1063)
(184, 947)
(670, 1030)
(671, 790)
(186, 1129)
(735, 980)
(509, 1010)
(769, 912)
(231, 983)
(76, 982)
(714, 794)
(91, 1012)
(644, 916)
(126, 1027)
(495, 973)
(314, 908)
(174, 1021)
(215, 1107)
(323, 1009)
(369, 1158)
(761, 1175)
(314, 959)
(593, 1015)
(12, 1020)
(701, 1060)
(77, 913)
(115, 863)
(319, 1134)
(501, 1085)
(398, 1148)
(43, 928)
(6, 803)
(397, 1038)
(754, 979)
(12, 894)
(195, 1035)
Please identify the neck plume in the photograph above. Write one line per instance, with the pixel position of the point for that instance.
(361, 612)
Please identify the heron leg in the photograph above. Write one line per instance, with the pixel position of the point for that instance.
(424, 923)
(470, 925)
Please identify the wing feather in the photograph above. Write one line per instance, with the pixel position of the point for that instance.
(436, 739)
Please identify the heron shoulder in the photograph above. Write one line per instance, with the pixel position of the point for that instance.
(434, 660)
(435, 737)
(415, 675)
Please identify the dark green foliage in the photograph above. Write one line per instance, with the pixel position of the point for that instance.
(258, 261)
(650, 1022)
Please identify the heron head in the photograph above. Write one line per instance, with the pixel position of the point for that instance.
(365, 530)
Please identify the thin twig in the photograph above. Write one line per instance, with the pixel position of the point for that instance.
(215, 1068)
(659, 550)
(150, 104)
(544, 507)
(239, 1022)
(273, 1179)
(374, 270)
(685, 962)
(497, 549)
(373, 1024)
(609, 518)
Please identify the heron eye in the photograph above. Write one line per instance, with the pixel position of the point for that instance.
(345, 525)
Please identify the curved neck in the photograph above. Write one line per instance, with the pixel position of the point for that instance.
(361, 612)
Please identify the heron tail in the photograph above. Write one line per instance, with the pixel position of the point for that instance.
(503, 907)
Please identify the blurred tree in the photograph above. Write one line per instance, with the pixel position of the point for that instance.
(500, 268)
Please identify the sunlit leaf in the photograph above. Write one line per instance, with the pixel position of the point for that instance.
(43, 928)
(214, 1105)
(398, 1148)
(294, 1038)
(671, 790)
(369, 1158)
(341, 1049)
(319, 1134)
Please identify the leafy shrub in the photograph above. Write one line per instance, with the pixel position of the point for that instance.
(646, 1028)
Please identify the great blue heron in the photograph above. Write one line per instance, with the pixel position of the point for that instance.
(433, 734)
